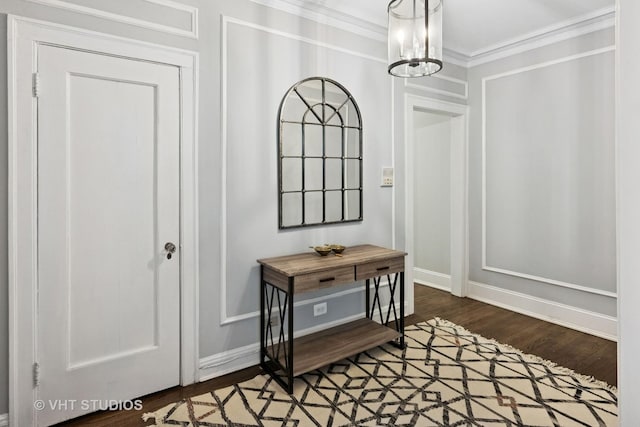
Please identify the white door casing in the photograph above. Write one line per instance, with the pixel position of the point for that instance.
(459, 217)
(31, 42)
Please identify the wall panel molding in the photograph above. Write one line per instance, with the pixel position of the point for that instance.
(485, 266)
(545, 64)
(334, 295)
(463, 94)
(111, 16)
(225, 317)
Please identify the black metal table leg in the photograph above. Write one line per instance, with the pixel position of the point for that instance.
(263, 343)
(276, 356)
(290, 338)
(367, 296)
(391, 308)
(401, 326)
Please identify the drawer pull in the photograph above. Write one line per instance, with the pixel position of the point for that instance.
(328, 279)
(382, 268)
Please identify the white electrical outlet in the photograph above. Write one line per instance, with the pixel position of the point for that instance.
(387, 177)
(320, 309)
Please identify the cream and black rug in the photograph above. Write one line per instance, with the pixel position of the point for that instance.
(446, 376)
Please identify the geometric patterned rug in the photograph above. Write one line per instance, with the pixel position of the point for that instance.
(447, 376)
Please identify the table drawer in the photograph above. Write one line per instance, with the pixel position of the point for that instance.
(379, 268)
(324, 279)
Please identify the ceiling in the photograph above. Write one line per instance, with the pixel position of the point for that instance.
(474, 27)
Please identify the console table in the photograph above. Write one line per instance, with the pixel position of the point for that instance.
(284, 278)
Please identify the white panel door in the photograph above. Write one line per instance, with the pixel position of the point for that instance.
(108, 202)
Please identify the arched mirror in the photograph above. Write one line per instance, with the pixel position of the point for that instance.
(319, 155)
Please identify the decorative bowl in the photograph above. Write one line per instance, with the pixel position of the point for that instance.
(338, 249)
(323, 250)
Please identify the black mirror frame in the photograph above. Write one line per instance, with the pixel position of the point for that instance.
(324, 123)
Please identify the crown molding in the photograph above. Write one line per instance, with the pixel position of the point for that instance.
(450, 56)
(574, 27)
(578, 26)
(323, 15)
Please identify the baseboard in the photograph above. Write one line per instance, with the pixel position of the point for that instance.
(229, 361)
(432, 279)
(4, 420)
(234, 360)
(581, 320)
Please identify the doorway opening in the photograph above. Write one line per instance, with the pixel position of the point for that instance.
(436, 210)
(432, 199)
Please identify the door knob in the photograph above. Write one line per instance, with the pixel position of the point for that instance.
(170, 248)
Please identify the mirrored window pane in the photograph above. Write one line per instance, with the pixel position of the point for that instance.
(352, 204)
(333, 174)
(293, 110)
(333, 206)
(333, 141)
(313, 207)
(350, 114)
(291, 211)
(333, 117)
(313, 174)
(352, 118)
(291, 174)
(291, 139)
(334, 96)
(311, 90)
(352, 174)
(314, 115)
(352, 142)
(312, 140)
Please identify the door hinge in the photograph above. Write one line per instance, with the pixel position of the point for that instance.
(35, 84)
(36, 374)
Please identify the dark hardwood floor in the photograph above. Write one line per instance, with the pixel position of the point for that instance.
(581, 352)
(584, 353)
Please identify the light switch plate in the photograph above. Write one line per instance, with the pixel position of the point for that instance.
(387, 177)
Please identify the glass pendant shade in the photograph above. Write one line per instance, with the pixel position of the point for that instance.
(415, 37)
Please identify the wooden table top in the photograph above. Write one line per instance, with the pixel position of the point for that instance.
(311, 262)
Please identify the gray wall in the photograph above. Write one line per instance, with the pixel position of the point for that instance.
(267, 51)
(432, 192)
(251, 209)
(254, 84)
(550, 188)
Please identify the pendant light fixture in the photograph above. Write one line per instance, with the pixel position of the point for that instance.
(415, 37)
